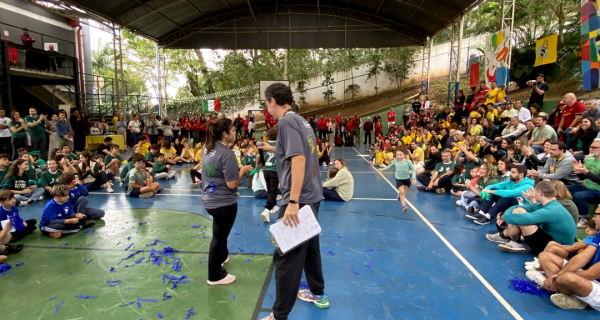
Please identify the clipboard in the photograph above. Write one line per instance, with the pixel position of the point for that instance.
(4, 223)
(286, 238)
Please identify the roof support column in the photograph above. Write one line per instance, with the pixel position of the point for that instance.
(425, 66)
(455, 46)
(158, 78)
(508, 21)
(117, 75)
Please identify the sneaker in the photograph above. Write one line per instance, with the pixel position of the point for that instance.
(496, 238)
(470, 209)
(536, 276)
(224, 262)
(40, 198)
(422, 188)
(14, 248)
(102, 186)
(321, 302)
(583, 222)
(532, 268)
(159, 190)
(535, 263)
(23, 203)
(324, 164)
(269, 317)
(473, 215)
(459, 203)
(88, 224)
(512, 246)
(193, 185)
(482, 220)
(146, 195)
(110, 189)
(227, 280)
(279, 197)
(275, 209)
(564, 301)
(167, 178)
(440, 190)
(265, 215)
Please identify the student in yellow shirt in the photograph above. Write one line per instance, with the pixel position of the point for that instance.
(388, 156)
(406, 139)
(492, 94)
(492, 113)
(413, 133)
(417, 151)
(170, 153)
(187, 154)
(144, 145)
(198, 156)
(501, 98)
(472, 142)
(474, 127)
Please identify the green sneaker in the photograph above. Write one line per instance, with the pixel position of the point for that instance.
(321, 302)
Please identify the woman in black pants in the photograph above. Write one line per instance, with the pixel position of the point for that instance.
(18, 135)
(219, 194)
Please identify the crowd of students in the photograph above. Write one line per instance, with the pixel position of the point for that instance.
(530, 173)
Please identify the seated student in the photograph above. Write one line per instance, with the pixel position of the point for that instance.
(559, 166)
(458, 180)
(441, 176)
(187, 154)
(417, 151)
(62, 164)
(150, 156)
(9, 211)
(50, 178)
(388, 156)
(339, 141)
(144, 145)
(113, 160)
(349, 140)
(170, 154)
(198, 151)
(161, 170)
(54, 152)
(31, 172)
(503, 196)
(93, 173)
(17, 180)
(58, 217)
(376, 156)
(4, 164)
(104, 148)
(5, 238)
(141, 183)
(73, 159)
(341, 187)
(250, 159)
(196, 175)
(78, 196)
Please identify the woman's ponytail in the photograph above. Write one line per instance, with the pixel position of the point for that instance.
(214, 132)
(210, 137)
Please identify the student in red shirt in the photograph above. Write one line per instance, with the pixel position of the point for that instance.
(245, 122)
(378, 127)
(322, 127)
(195, 130)
(186, 126)
(271, 122)
(391, 117)
(203, 125)
(571, 116)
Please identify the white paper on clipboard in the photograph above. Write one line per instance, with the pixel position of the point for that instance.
(4, 223)
(289, 238)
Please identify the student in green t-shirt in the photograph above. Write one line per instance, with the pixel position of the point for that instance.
(113, 160)
(441, 176)
(458, 180)
(18, 133)
(251, 158)
(161, 170)
(50, 178)
(4, 163)
(151, 156)
(73, 158)
(141, 184)
(31, 172)
(271, 178)
(37, 133)
(16, 180)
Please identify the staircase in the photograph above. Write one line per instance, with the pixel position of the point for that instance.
(45, 94)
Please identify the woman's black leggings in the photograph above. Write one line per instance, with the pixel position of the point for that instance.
(223, 219)
(16, 144)
(102, 178)
(195, 174)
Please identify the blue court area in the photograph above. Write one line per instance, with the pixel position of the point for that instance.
(379, 263)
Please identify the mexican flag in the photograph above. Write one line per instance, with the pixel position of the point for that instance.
(211, 105)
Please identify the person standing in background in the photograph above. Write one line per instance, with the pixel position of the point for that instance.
(37, 134)
(416, 105)
(459, 104)
(121, 128)
(115, 118)
(151, 128)
(26, 39)
(298, 170)
(63, 129)
(18, 133)
(368, 128)
(391, 117)
(5, 145)
(540, 87)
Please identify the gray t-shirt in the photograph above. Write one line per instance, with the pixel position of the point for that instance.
(137, 177)
(219, 167)
(295, 137)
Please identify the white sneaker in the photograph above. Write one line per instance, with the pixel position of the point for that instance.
(512, 246)
(269, 317)
(110, 189)
(23, 203)
(531, 268)
(278, 197)
(41, 198)
(536, 276)
(324, 164)
(146, 195)
(582, 224)
(265, 215)
(535, 263)
(459, 203)
(224, 262)
(275, 209)
(564, 301)
(227, 280)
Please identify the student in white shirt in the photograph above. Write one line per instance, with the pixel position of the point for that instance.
(5, 146)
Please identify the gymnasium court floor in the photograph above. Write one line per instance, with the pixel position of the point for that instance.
(379, 263)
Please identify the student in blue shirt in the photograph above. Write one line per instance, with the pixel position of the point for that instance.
(5, 235)
(9, 211)
(78, 196)
(58, 217)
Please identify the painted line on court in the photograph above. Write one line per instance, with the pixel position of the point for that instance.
(506, 305)
(199, 195)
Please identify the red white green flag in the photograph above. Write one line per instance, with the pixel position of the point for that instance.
(211, 105)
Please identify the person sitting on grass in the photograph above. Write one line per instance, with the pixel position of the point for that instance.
(540, 222)
(50, 178)
(161, 170)
(404, 170)
(170, 154)
(9, 211)
(441, 176)
(113, 160)
(78, 196)
(141, 183)
(576, 282)
(17, 181)
(58, 217)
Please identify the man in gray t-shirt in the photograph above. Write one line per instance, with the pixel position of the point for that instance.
(298, 172)
(218, 167)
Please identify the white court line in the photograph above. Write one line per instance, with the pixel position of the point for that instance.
(199, 195)
(508, 307)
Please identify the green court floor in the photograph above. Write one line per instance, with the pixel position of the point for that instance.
(80, 264)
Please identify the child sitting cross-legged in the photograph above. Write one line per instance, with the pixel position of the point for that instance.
(141, 183)
(58, 217)
(9, 211)
(5, 235)
(50, 177)
(458, 180)
(113, 160)
(187, 154)
(78, 196)
(170, 153)
(151, 156)
(161, 170)
(73, 159)
(16, 180)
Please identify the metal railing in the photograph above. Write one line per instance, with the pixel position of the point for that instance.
(64, 47)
